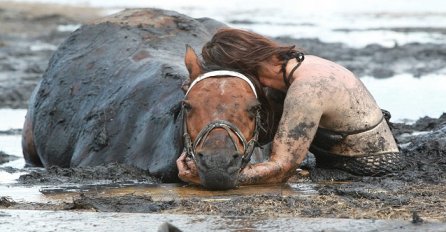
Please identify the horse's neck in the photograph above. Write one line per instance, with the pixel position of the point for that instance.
(275, 100)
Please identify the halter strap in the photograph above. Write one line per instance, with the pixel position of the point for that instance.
(220, 73)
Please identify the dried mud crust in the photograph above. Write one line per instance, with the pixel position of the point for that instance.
(125, 204)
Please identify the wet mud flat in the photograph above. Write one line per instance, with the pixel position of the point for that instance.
(414, 196)
(29, 34)
(20, 220)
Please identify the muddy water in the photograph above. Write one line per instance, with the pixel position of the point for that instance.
(66, 193)
(75, 193)
(164, 192)
(20, 220)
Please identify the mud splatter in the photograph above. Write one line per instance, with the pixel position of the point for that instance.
(301, 130)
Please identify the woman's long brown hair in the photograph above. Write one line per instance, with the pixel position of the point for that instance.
(242, 51)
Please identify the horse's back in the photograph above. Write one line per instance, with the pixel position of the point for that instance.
(111, 93)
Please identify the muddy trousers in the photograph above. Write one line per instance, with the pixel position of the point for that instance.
(368, 165)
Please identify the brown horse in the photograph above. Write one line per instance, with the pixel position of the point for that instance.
(221, 113)
(112, 94)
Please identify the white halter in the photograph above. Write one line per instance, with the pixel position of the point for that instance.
(222, 73)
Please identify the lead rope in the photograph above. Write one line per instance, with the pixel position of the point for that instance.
(299, 56)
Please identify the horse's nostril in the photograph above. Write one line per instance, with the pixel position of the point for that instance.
(200, 155)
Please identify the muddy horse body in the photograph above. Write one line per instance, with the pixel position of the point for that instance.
(111, 93)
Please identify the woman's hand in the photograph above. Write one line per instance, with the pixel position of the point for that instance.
(187, 170)
(268, 172)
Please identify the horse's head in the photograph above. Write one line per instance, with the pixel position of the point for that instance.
(221, 123)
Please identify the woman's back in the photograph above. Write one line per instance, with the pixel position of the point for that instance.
(348, 105)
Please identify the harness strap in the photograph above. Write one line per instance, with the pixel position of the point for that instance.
(228, 126)
(299, 56)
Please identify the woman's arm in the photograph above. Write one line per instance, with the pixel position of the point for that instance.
(297, 127)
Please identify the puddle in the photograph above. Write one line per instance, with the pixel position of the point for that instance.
(180, 191)
(158, 192)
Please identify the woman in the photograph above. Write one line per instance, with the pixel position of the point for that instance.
(327, 110)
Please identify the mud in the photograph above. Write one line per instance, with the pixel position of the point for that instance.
(4, 158)
(114, 173)
(416, 194)
(378, 61)
(22, 220)
(29, 34)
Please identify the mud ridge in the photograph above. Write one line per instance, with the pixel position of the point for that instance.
(115, 173)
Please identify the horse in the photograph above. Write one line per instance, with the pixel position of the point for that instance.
(112, 94)
(222, 122)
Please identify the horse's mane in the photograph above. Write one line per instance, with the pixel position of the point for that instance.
(271, 105)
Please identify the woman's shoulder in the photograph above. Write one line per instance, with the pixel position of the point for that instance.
(321, 70)
(315, 63)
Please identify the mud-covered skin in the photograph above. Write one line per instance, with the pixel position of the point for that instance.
(112, 93)
(323, 95)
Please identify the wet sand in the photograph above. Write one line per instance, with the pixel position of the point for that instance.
(414, 196)
(19, 220)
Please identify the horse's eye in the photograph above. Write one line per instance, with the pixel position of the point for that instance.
(253, 110)
(187, 106)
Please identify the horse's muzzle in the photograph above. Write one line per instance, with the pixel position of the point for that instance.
(219, 169)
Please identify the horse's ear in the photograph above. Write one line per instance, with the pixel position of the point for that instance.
(192, 62)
